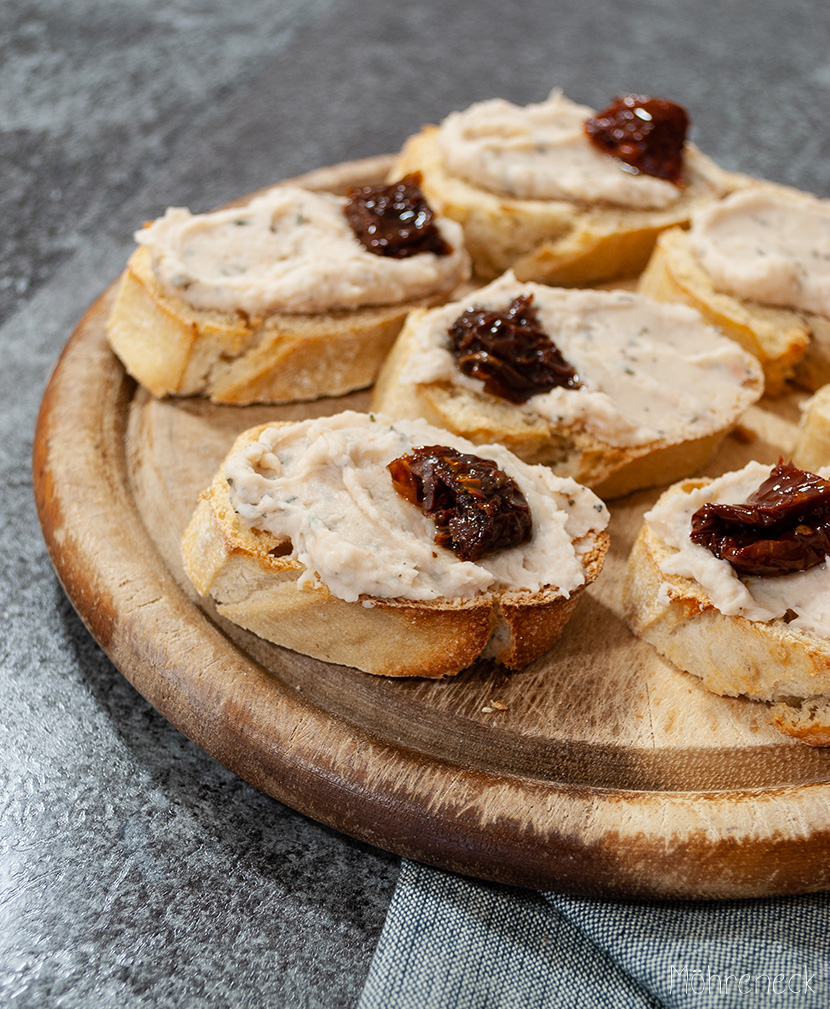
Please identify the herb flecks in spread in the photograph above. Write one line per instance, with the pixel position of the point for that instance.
(800, 598)
(510, 352)
(767, 244)
(323, 485)
(542, 152)
(394, 220)
(290, 250)
(647, 135)
(478, 509)
(648, 371)
(782, 527)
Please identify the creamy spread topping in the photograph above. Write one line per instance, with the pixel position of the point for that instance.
(290, 250)
(324, 484)
(802, 597)
(541, 152)
(768, 246)
(648, 371)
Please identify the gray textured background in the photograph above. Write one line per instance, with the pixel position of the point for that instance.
(134, 870)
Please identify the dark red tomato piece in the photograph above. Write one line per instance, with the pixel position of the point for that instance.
(646, 134)
(394, 220)
(478, 509)
(510, 352)
(783, 526)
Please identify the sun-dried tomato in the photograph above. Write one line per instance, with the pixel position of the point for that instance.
(783, 526)
(510, 352)
(478, 509)
(394, 220)
(646, 134)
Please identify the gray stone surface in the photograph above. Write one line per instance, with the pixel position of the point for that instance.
(135, 870)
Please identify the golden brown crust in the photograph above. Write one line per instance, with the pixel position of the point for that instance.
(779, 338)
(254, 584)
(535, 627)
(807, 719)
(732, 655)
(174, 349)
(611, 471)
(551, 241)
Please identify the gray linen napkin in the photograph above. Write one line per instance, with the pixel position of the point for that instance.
(454, 942)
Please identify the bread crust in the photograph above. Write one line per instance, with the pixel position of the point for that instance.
(733, 656)
(552, 241)
(253, 583)
(811, 449)
(174, 349)
(789, 344)
(609, 470)
(808, 719)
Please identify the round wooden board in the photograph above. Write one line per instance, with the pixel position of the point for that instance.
(599, 770)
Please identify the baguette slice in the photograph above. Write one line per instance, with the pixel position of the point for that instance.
(734, 656)
(172, 348)
(253, 580)
(569, 447)
(553, 241)
(788, 344)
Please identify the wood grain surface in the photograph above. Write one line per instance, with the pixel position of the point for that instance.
(598, 770)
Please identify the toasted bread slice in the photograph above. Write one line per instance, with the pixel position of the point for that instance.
(788, 344)
(554, 241)
(172, 348)
(734, 656)
(258, 581)
(568, 445)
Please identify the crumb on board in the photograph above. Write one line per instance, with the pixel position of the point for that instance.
(494, 706)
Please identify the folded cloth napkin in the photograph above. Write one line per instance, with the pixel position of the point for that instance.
(454, 942)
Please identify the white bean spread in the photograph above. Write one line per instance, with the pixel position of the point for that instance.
(769, 246)
(324, 484)
(541, 152)
(648, 371)
(803, 596)
(290, 250)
